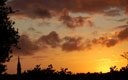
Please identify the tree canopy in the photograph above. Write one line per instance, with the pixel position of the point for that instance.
(8, 35)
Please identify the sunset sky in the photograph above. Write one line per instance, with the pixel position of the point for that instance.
(81, 35)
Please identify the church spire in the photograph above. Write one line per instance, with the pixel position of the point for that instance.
(18, 67)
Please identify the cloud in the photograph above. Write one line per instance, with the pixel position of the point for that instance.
(114, 12)
(27, 47)
(39, 13)
(39, 57)
(68, 43)
(105, 41)
(72, 44)
(113, 40)
(31, 29)
(122, 27)
(90, 23)
(123, 35)
(74, 22)
(52, 39)
(122, 20)
(27, 8)
(126, 10)
(47, 8)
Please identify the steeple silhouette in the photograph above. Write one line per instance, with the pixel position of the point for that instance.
(18, 67)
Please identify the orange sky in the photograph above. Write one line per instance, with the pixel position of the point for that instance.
(84, 36)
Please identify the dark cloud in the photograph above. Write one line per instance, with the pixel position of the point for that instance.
(27, 47)
(122, 27)
(30, 8)
(31, 29)
(46, 8)
(72, 44)
(41, 13)
(52, 39)
(90, 23)
(68, 44)
(123, 35)
(74, 22)
(122, 20)
(39, 57)
(113, 40)
(38, 13)
(115, 12)
(105, 41)
(52, 8)
(126, 10)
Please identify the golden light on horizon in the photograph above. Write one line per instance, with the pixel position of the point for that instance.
(104, 67)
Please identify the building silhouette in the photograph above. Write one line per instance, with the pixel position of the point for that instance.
(18, 67)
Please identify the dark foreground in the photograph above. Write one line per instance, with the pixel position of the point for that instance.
(50, 74)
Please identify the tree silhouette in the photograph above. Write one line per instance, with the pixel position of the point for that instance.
(125, 55)
(8, 35)
(113, 69)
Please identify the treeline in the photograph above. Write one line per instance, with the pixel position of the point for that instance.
(51, 74)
